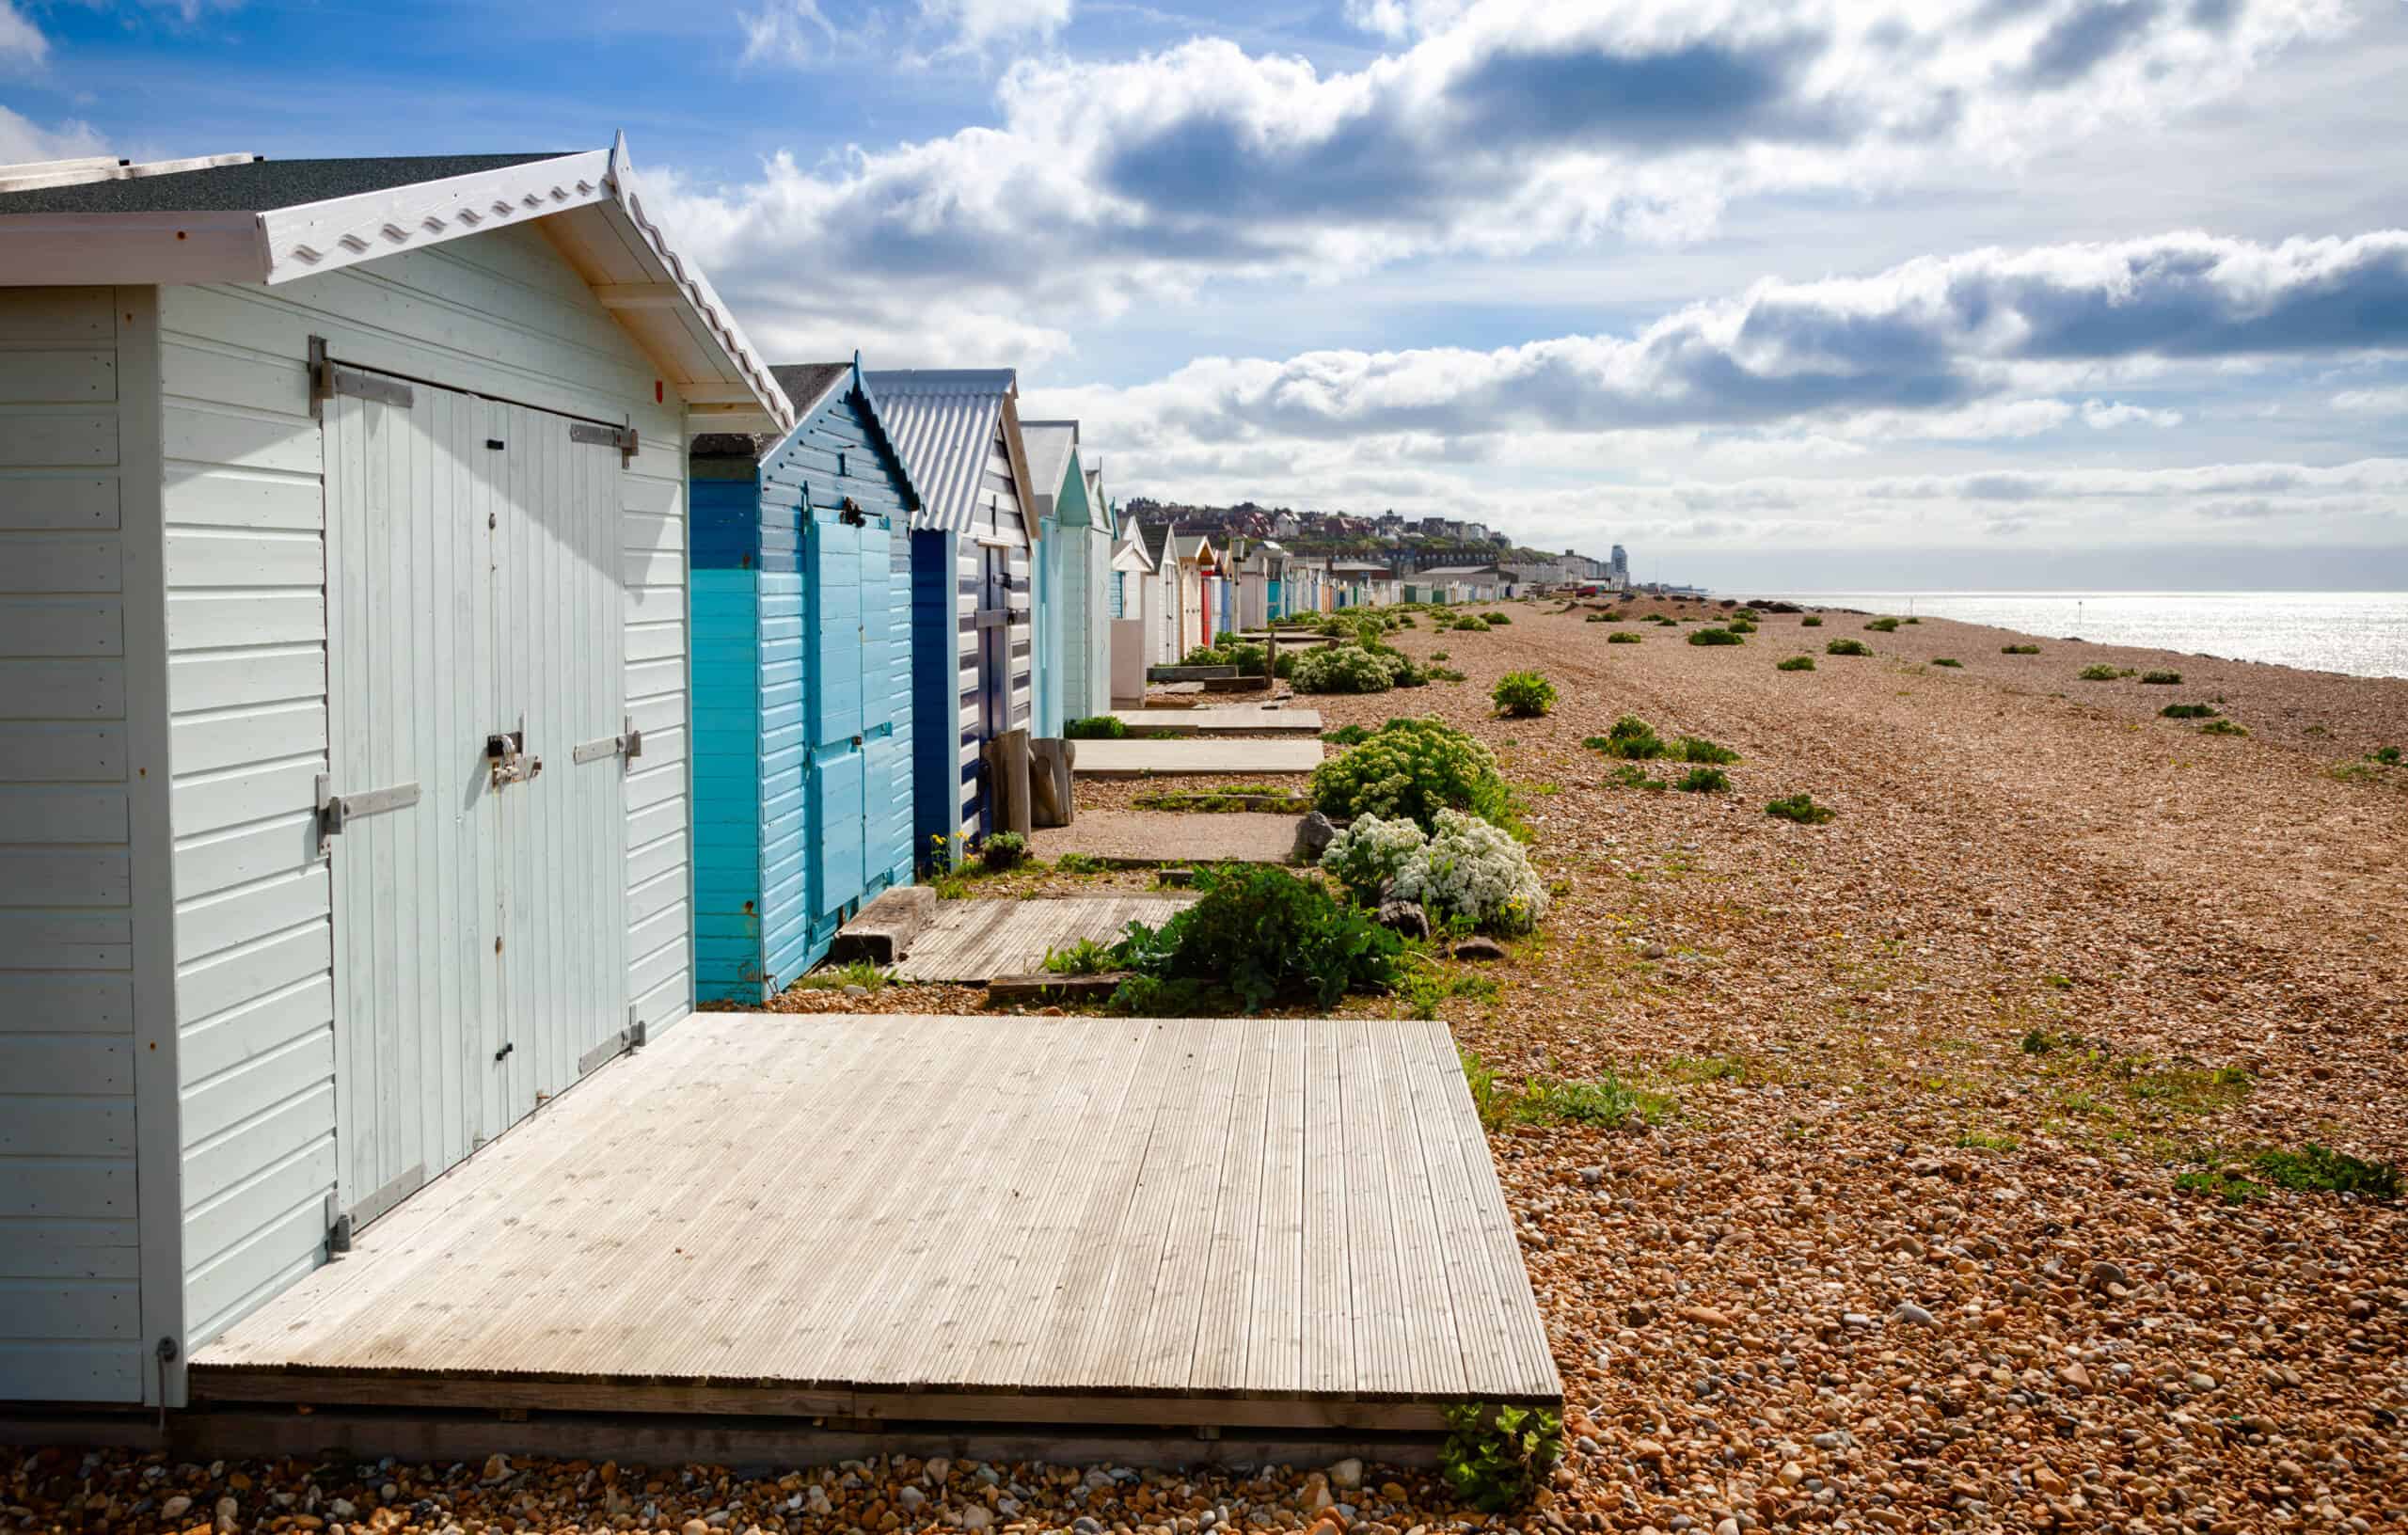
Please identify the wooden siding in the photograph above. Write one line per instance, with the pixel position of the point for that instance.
(71, 1304)
(803, 702)
(501, 314)
(999, 517)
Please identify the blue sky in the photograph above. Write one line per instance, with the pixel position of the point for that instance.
(2001, 280)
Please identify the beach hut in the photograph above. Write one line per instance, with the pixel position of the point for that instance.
(345, 717)
(1136, 603)
(803, 681)
(959, 432)
(1198, 592)
(1262, 571)
(1073, 660)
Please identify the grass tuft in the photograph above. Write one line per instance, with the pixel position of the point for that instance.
(1795, 663)
(1799, 807)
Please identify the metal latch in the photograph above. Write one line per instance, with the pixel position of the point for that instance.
(621, 437)
(507, 759)
(628, 743)
(338, 810)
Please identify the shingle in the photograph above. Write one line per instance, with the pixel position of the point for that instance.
(257, 187)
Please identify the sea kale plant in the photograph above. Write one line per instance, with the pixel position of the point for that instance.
(1344, 669)
(1522, 695)
(1414, 768)
(1266, 935)
(1468, 872)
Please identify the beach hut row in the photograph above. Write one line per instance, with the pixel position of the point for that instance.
(437, 650)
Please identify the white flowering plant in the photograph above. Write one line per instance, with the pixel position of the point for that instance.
(1467, 871)
(1371, 852)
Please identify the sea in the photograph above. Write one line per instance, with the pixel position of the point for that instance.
(2360, 633)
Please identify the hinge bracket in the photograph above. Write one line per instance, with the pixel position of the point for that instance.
(338, 810)
(621, 437)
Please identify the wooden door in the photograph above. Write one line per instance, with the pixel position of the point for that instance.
(474, 605)
(559, 669)
(411, 494)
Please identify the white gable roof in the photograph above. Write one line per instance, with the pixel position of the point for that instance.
(235, 219)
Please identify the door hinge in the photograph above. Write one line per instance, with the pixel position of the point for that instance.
(338, 810)
(628, 743)
(621, 437)
(328, 379)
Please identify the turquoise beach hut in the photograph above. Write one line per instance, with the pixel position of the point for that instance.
(802, 665)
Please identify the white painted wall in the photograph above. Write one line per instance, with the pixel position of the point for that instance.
(501, 314)
(71, 1326)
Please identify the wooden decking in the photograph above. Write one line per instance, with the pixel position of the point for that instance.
(1221, 720)
(1140, 758)
(971, 943)
(1241, 1222)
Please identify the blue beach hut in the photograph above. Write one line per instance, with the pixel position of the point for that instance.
(803, 652)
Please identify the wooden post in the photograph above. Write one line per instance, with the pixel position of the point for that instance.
(1007, 780)
(1049, 782)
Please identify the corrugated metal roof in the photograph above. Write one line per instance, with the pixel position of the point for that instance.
(943, 421)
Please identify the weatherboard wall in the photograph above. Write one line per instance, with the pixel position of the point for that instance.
(502, 314)
(803, 611)
(998, 523)
(79, 843)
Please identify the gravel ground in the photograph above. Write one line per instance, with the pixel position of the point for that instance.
(1904, 1248)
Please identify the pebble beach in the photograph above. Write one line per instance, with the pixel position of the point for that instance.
(1945, 1205)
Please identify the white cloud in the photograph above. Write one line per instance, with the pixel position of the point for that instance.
(1494, 128)
(790, 32)
(977, 26)
(2105, 416)
(23, 48)
(2391, 401)
(21, 139)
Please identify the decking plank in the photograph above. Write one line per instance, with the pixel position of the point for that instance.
(1239, 1222)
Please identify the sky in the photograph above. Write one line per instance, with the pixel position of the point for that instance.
(1970, 292)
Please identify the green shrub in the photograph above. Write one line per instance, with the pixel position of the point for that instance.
(1910, 620)
(1414, 768)
(2162, 679)
(1284, 666)
(2188, 711)
(1496, 1458)
(1705, 781)
(1812, 621)
(1442, 673)
(1079, 864)
(1343, 669)
(1715, 637)
(1942, 661)
(1622, 637)
(1698, 749)
(1800, 808)
(1883, 626)
(1265, 935)
(1847, 647)
(1003, 850)
(1740, 625)
(1095, 727)
(1084, 957)
(1522, 695)
(1795, 663)
(2387, 755)
(2221, 727)
(1348, 736)
(2326, 1171)
(1631, 776)
(1498, 618)
(1632, 738)
(1437, 654)
(1599, 618)
(2100, 671)
(2018, 650)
